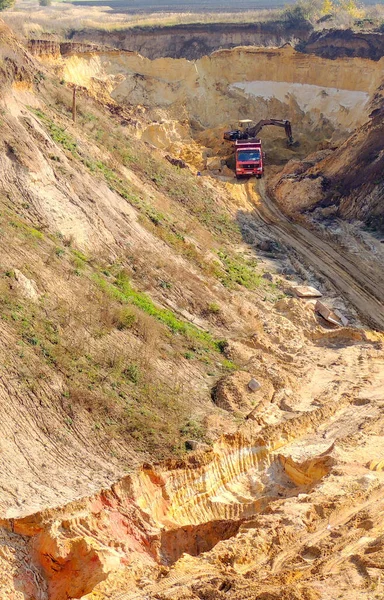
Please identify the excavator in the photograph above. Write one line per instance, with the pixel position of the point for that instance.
(251, 132)
(248, 150)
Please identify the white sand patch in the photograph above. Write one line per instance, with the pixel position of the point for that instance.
(342, 107)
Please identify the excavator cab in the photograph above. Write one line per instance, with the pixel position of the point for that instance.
(239, 134)
(233, 135)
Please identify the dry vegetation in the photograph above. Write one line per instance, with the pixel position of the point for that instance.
(104, 347)
(31, 20)
(60, 18)
(115, 326)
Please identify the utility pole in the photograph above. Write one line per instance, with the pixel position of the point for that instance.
(74, 105)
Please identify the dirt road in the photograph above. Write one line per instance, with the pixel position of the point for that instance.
(350, 274)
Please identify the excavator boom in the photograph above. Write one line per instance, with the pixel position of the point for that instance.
(251, 132)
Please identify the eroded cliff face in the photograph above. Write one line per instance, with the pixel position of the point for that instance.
(189, 105)
(347, 182)
(193, 41)
(336, 44)
(325, 100)
(244, 510)
(232, 84)
(186, 106)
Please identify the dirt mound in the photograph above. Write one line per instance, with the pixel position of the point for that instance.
(233, 394)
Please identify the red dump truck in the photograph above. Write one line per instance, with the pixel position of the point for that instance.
(249, 158)
(249, 155)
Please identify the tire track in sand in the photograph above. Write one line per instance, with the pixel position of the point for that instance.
(346, 272)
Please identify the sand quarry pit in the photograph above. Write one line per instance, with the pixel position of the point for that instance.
(187, 105)
(288, 507)
(324, 99)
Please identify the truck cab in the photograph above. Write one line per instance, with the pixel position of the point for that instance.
(249, 158)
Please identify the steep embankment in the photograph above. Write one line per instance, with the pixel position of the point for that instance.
(193, 41)
(116, 283)
(347, 183)
(139, 538)
(231, 84)
(325, 100)
(196, 40)
(121, 277)
(137, 302)
(339, 43)
(353, 273)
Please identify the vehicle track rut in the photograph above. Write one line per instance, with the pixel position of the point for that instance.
(347, 272)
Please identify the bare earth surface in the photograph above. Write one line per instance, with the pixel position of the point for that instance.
(136, 460)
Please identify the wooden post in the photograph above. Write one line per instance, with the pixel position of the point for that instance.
(74, 105)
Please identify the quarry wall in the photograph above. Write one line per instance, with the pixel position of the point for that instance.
(194, 41)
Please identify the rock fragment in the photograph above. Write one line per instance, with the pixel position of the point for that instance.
(27, 288)
(343, 319)
(176, 162)
(267, 246)
(254, 385)
(214, 163)
(267, 276)
(333, 317)
(306, 291)
(227, 172)
(196, 445)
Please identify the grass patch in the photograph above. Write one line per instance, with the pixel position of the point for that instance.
(58, 134)
(122, 291)
(26, 229)
(185, 188)
(79, 255)
(111, 389)
(239, 270)
(178, 184)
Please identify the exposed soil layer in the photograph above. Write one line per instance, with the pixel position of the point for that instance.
(325, 100)
(193, 41)
(248, 490)
(348, 183)
(336, 44)
(338, 265)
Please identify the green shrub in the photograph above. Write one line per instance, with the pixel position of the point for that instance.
(125, 319)
(214, 308)
(239, 270)
(4, 4)
(132, 373)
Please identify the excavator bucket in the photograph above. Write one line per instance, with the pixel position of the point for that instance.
(288, 133)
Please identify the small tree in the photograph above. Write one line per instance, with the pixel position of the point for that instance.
(328, 7)
(296, 14)
(302, 11)
(352, 8)
(45, 2)
(4, 4)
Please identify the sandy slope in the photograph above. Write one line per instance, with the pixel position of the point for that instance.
(286, 503)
